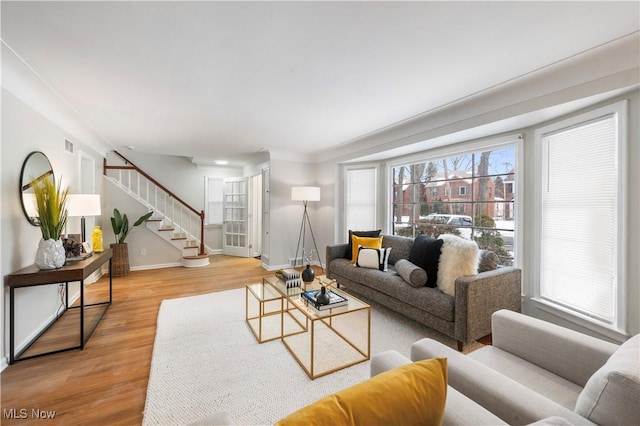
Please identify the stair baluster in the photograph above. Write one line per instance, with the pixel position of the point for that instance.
(181, 227)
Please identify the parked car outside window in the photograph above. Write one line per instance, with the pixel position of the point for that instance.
(461, 223)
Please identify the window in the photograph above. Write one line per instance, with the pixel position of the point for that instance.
(581, 267)
(509, 187)
(214, 188)
(462, 195)
(360, 200)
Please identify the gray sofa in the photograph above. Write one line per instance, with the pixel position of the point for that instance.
(535, 372)
(465, 317)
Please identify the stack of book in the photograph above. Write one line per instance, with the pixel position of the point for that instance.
(290, 277)
(335, 300)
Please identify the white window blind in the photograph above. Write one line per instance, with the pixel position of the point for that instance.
(214, 189)
(579, 227)
(360, 200)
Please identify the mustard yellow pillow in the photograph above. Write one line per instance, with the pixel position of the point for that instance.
(413, 394)
(370, 242)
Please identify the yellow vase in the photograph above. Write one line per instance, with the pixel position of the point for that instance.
(96, 239)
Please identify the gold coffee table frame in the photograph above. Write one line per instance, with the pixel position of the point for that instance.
(318, 336)
(265, 304)
(269, 304)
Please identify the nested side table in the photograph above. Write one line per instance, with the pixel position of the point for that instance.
(263, 305)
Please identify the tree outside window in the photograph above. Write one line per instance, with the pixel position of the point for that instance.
(465, 195)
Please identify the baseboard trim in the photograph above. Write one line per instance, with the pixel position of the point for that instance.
(285, 266)
(158, 266)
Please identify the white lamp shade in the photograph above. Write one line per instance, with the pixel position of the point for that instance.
(305, 193)
(83, 205)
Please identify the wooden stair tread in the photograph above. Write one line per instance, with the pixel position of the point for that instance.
(167, 229)
(192, 247)
(198, 256)
(178, 238)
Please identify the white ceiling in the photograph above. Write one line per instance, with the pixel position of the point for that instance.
(225, 79)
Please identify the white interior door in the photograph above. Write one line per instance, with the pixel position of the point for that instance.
(235, 217)
(255, 216)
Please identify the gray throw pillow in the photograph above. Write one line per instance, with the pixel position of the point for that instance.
(412, 274)
(488, 261)
(611, 395)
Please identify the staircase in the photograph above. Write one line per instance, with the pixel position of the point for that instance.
(174, 220)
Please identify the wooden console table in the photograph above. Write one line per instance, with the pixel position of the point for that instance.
(77, 271)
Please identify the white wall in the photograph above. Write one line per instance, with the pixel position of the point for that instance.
(24, 130)
(286, 215)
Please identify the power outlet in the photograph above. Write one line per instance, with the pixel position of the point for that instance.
(143, 251)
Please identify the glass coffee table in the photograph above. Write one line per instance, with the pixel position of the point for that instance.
(263, 307)
(322, 341)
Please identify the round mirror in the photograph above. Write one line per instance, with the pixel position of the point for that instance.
(36, 166)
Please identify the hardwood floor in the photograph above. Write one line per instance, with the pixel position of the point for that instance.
(106, 383)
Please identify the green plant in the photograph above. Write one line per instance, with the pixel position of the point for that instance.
(120, 224)
(51, 202)
(488, 238)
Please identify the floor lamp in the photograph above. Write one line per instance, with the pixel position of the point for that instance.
(305, 194)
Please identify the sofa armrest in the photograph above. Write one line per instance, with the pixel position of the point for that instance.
(512, 402)
(335, 251)
(567, 353)
(479, 296)
(387, 360)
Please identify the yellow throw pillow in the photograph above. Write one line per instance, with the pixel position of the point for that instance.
(370, 242)
(413, 394)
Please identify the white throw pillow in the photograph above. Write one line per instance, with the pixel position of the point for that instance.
(458, 258)
(373, 258)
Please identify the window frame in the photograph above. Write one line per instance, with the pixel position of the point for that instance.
(220, 203)
(493, 142)
(618, 328)
(342, 229)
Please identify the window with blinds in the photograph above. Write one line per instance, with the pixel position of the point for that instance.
(214, 189)
(580, 218)
(360, 198)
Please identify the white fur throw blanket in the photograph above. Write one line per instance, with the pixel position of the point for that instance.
(458, 258)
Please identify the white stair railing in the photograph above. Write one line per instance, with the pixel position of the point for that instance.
(185, 221)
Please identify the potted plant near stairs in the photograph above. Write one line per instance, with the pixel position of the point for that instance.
(121, 229)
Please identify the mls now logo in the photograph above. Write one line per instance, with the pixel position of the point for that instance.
(14, 413)
(23, 413)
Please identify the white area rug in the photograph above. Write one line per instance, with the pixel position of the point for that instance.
(206, 360)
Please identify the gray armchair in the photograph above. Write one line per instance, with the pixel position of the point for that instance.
(536, 370)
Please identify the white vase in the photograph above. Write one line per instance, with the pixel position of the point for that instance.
(50, 254)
